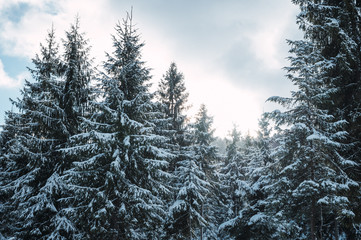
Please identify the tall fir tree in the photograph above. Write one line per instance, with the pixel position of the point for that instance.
(206, 156)
(311, 187)
(7, 165)
(190, 216)
(33, 167)
(256, 213)
(233, 172)
(251, 217)
(172, 93)
(77, 72)
(333, 27)
(233, 183)
(185, 218)
(77, 93)
(119, 181)
(173, 97)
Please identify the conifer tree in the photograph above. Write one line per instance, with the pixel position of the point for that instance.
(77, 72)
(32, 163)
(191, 215)
(206, 157)
(252, 218)
(6, 165)
(172, 96)
(118, 181)
(333, 27)
(311, 187)
(233, 180)
(185, 218)
(233, 172)
(257, 213)
(172, 93)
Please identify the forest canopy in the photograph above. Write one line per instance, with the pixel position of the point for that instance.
(93, 153)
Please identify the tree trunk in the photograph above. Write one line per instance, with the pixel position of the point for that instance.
(336, 229)
(313, 214)
(313, 205)
(190, 224)
(321, 224)
(201, 225)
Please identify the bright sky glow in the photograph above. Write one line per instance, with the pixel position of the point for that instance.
(230, 52)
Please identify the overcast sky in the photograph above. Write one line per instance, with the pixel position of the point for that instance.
(231, 52)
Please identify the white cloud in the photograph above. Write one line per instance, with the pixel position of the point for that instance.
(215, 44)
(227, 103)
(267, 40)
(6, 3)
(8, 82)
(21, 38)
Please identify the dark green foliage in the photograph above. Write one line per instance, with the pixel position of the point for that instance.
(311, 185)
(77, 74)
(172, 93)
(247, 177)
(192, 213)
(113, 162)
(118, 180)
(333, 27)
(31, 161)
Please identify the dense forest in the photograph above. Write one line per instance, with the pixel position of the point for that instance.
(92, 153)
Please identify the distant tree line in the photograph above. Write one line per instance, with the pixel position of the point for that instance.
(94, 154)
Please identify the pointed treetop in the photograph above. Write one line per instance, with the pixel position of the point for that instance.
(203, 127)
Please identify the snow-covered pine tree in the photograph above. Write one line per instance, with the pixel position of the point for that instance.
(232, 176)
(172, 93)
(334, 28)
(311, 187)
(263, 142)
(32, 164)
(173, 97)
(8, 220)
(260, 172)
(77, 71)
(185, 219)
(189, 216)
(206, 157)
(252, 219)
(119, 181)
(77, 93)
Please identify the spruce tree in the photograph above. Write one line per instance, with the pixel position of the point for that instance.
(206, 156)
(333, 27)
(172, 97)
(33, 187)
(77, 72)
(185, 218)
(191, 215)
(6, 165)
(119, 181)
(260, 173)
(252, 184)
(233, 182)
(77, 93)
(311, 187)
(172, 93)
(233, 172)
